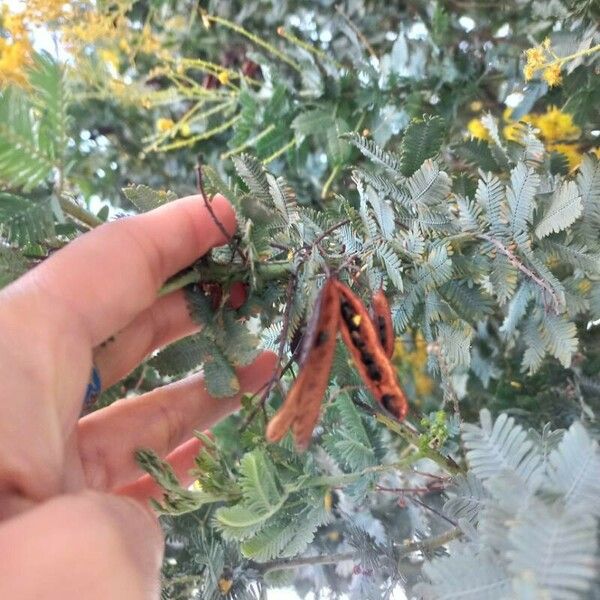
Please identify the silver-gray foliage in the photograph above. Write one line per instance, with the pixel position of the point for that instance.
(533, 500)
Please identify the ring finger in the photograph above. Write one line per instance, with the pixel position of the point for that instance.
(166, 321)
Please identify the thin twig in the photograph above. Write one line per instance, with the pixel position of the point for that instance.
(411, 436)
(519, 265)
(207, 201)
(403, 550)
(359, 34)
(435, 511)
(331, 229)
(280, 351)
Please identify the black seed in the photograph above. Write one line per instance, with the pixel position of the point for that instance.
(381, 324)
(374, 373)
(387, 400)
(322, 337)
(347, 311)
(367, 358)
(357, 340)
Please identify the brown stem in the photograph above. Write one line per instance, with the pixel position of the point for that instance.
(403, 550)
(519, 265)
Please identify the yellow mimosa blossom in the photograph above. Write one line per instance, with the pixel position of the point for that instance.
(477, 130)
(513, 132)
(185, 130)
(556, 125)
(14, 59)
(476, 105)
(109, 57)
(570, 151)
(163, 125)
(552, 75)
(223, 77)
(535, 56)
(584, 286)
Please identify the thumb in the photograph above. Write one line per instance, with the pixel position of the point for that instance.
(88, 545)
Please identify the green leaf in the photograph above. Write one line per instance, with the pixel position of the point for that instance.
(145, 198)
(25, 221)
(312, 122)
(564, 209)
(25, 160)
(178, 358)
(240, 346)
(219, 376)
(477, 153)
(262, 498)
(289, 535)
(392, 263)
(524, 183)
(588, 182)
(503, 277)
(429, 185)
(176, 499)
(373, 152)
(455, 343)
(12, 265)
(338, 149)
(253, 174)
(422, 140)
(284, 199)
(436, 270)
(490, 195)
(349, 443)
(560, 337)
(536, 348)
(259, 482)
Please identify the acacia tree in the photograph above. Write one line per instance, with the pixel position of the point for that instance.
(445, 151)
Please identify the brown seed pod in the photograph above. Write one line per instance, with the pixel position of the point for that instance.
(302, 405)
(382, 319)
(361, 337)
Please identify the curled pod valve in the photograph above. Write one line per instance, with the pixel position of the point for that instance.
(302, 405)
(382, 319)
(371, 359)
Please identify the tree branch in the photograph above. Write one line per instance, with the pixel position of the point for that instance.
(403, 550)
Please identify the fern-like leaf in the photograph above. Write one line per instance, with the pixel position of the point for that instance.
(253, 175)
(454, 577)
(145, 198)
(422, 140)
(466, 498)
(501, 446)
(556, 549)
(574, 471)
(524, 182)
(25, 221)
(563, 210)
(372, 151)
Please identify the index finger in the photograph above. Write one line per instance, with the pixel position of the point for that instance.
(107, 276)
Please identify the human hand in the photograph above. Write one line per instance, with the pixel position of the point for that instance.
(70, 526)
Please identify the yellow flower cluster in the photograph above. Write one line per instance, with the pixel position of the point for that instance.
(477, 130)
(15, 45)
(541, 58)
(15, 49)
(556, 128)
(417, 360)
